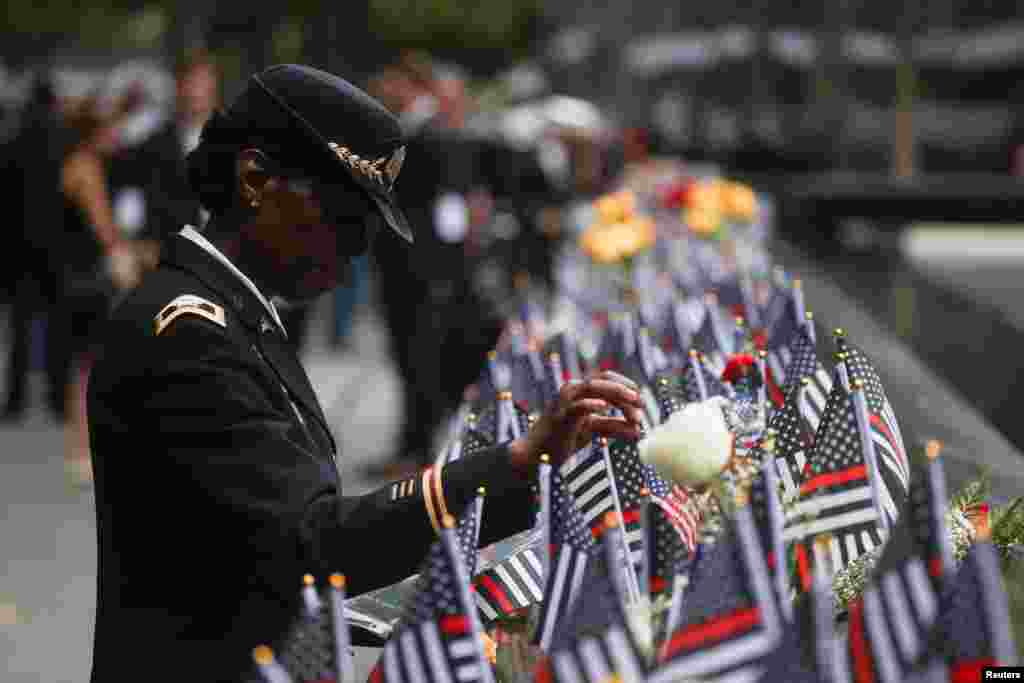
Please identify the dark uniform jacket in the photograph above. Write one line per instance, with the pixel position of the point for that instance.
(216, 486)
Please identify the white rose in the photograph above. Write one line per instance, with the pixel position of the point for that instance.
(693, 446)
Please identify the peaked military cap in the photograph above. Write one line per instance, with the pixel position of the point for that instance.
(308, 119)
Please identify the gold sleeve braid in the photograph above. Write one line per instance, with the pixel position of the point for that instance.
(433, 496)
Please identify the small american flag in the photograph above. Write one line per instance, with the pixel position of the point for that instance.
(974, 628)
(587, 477)
(439, 637)
(567, 347)
(611, 656)
(901, 605)
(671, 554)
(793, 441)
(922, 530)
(467, 531)
(572, 545)
(730, 617)
(770, 520)
(714, 338)
(528, 379)
(885, 430)
(503, 419)
(684, 319)
(668, 393)
(630, 478)
(678, 508)
(696, 374)
(440, 651)
(316, 647)
(806, 371)
(836, 490)
(509, 586)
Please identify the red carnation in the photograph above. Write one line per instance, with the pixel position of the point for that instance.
(677, 195)
(740, 365)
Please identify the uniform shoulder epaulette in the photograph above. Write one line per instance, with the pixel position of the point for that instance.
(188, 304)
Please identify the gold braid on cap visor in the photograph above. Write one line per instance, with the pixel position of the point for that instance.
(384, 171)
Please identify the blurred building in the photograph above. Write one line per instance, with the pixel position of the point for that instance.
(805, 85)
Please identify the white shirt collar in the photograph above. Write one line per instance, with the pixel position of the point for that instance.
(195, 236)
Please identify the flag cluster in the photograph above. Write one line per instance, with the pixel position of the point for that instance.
(826, 479)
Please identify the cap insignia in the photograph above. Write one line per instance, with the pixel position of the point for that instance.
(383, 171)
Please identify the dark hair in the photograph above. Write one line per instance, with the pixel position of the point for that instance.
(211, 165)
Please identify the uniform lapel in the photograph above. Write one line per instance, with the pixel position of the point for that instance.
(282, 358)
(185, 254)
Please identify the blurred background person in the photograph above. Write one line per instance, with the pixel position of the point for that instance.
(159, 161)
(439, 329)
(33, 159)
(93, 260)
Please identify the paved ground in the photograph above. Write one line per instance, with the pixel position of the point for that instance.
(47, 540)
(47, 530)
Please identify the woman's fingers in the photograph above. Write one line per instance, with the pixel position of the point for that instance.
(584, 406)
(610, 427)
(605, 389)
(622, 379)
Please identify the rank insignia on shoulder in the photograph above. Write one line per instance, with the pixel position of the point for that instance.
(403, 489)
(188, 304)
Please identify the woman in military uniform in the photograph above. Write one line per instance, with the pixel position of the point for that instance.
(216, 483)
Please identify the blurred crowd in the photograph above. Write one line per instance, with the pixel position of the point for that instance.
(98, 183)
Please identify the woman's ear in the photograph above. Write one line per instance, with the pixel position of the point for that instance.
(251, 171)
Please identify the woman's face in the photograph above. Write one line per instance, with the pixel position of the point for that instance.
(307, 233)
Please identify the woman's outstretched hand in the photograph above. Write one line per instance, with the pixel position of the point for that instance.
(578, 416)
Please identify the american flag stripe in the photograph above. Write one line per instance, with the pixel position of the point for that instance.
(860, 666)
(995, 604)
(563, 588)
(746, 674)
(590, 486)
(593, 659)
(412, 664)
(788, 482)
(814, 397)
(431, 639)
(508, 581)
(832, 524)
(524, 578)
(517, 585)
(624, 655)
(709, 660)
(392, 671)
(822, 503)
(902, 621)
(742, 636)
(492, 597)
(594, 663)
(682, 520)
(885, 445)
(879, 640)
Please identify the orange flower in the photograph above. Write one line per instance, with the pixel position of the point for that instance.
(617, 207)
(704, 221)
(611, 243)
(707, 195)
(739, 202)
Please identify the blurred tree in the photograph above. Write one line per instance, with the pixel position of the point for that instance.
(481, 34)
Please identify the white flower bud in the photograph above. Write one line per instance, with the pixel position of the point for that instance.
(693, 446)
